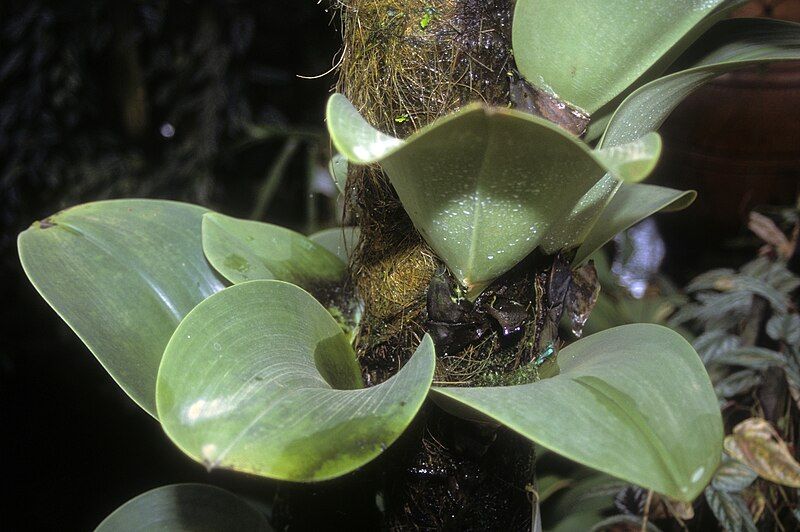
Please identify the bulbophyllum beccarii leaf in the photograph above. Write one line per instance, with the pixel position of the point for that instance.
(634, 402)
(755, 443)
(730, 45)
(189, 507)
(587, 53)
(338, 170)
(246, 250)
(485, 185)
(261, 379)
(122, 274)
(341, 241)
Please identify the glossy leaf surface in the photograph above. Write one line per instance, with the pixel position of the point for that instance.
(341, 241)
(589, 52)
(728, 46)
(245, 250)
(338, 170)
(185, 507)
(634, 402)
(483, 185)
(631, 204)
(122, 274)
(260, 378)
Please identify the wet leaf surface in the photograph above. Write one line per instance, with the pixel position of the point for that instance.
(246, 250)
(634, 402)
(483, 186)
(261, 379)
(122, 274)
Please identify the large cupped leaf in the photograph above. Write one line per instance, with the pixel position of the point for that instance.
(588, 52)
(729, 45)
(634, 402)
(245, 250)
(185, 507)
(484, 185)
(122, 274)
(260, 378)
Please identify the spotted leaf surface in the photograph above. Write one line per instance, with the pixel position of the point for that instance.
(484, 185)
(261, 379)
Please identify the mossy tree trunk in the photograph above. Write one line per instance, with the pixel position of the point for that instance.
(406, 63)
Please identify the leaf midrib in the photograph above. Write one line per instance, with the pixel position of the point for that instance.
(476, 204)
(641, 425)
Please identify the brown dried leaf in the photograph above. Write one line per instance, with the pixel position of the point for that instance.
(756, 443)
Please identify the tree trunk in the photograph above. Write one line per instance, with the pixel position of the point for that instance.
(406, 63)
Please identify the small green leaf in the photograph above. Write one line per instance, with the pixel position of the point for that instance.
(260, 378)
(122, 274)
(728, 46)
(338, 170)
(634, 402)
(631, 204)
(483, 185)
(589, 52)
(245, 250)
(341, 241)
(634, 161)
(189, 507)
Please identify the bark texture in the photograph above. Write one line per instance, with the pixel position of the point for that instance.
(406, 63)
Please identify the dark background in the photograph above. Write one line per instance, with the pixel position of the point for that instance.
(193, 100)
(85, 90)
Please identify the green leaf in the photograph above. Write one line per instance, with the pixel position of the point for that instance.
(634, 402)
(260, 378)
(589, 52)
(245, 250)
(729, 45)
(341, 241)
(483, 185)
(122, 274)
(631, 204)
(338, 170)
(634, 161)
(186, 507)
